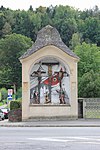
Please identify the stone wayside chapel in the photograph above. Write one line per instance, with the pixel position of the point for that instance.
(49, 78)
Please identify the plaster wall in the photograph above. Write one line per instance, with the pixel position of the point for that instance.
(27, 64)
(49, 111)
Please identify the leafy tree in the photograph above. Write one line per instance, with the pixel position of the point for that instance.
(89, 85)
(27, 23)
(92, 30)
(41, 9)
(2, 22)
(31, 8)
(35, 24)
(6, 29)
(76, 40)
(66, 19)
(88, 70)
(11, 48)
(89, 57)
(65, 22)
(89, 25)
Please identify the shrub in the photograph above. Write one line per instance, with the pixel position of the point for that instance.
(15, 105)
(4, 93)
(19, 93)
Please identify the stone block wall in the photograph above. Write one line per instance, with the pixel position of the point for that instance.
(15, 115)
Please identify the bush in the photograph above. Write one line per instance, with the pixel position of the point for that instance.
(4, 93)
(19, 93)
(15, 105)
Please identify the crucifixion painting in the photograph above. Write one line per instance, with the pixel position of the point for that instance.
(49, 83)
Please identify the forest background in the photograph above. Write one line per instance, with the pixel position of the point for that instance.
(79, 30)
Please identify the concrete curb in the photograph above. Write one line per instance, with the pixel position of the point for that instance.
(49, 125)
(53, 123)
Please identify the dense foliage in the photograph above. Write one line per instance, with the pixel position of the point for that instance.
(66, 19)
(3, 94)
(15, 105)
(80, 30)
(11, 48)
(88, 70)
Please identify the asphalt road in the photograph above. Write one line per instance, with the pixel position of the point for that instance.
(49, 138)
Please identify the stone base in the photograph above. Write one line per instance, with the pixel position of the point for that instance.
(60, 118)
(15, 115)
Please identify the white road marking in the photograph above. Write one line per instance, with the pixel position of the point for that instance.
(88, 139)
(50, 139)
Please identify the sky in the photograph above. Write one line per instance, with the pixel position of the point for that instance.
(25, 4)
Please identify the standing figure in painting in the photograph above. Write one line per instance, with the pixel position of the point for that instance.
(62, 97)
(35, 96)
(47, 100)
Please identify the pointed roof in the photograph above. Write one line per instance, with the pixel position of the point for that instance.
(45, 37)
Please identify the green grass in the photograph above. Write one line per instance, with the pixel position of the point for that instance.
(3, 102)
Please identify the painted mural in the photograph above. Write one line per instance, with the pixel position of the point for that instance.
(49, 83)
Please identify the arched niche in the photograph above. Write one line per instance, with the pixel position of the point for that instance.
(49, 82)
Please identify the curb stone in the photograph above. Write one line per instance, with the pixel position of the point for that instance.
(53, 123)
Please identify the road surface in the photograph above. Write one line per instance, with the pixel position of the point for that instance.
(49, 138)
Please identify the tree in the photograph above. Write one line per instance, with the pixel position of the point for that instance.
(11, 48)
(89, 57)
(89, 85)
(64, 21)
(89, 25)
(6, 29)
(2, 22)
(88, 70)
(30, 8)
(76, 40)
